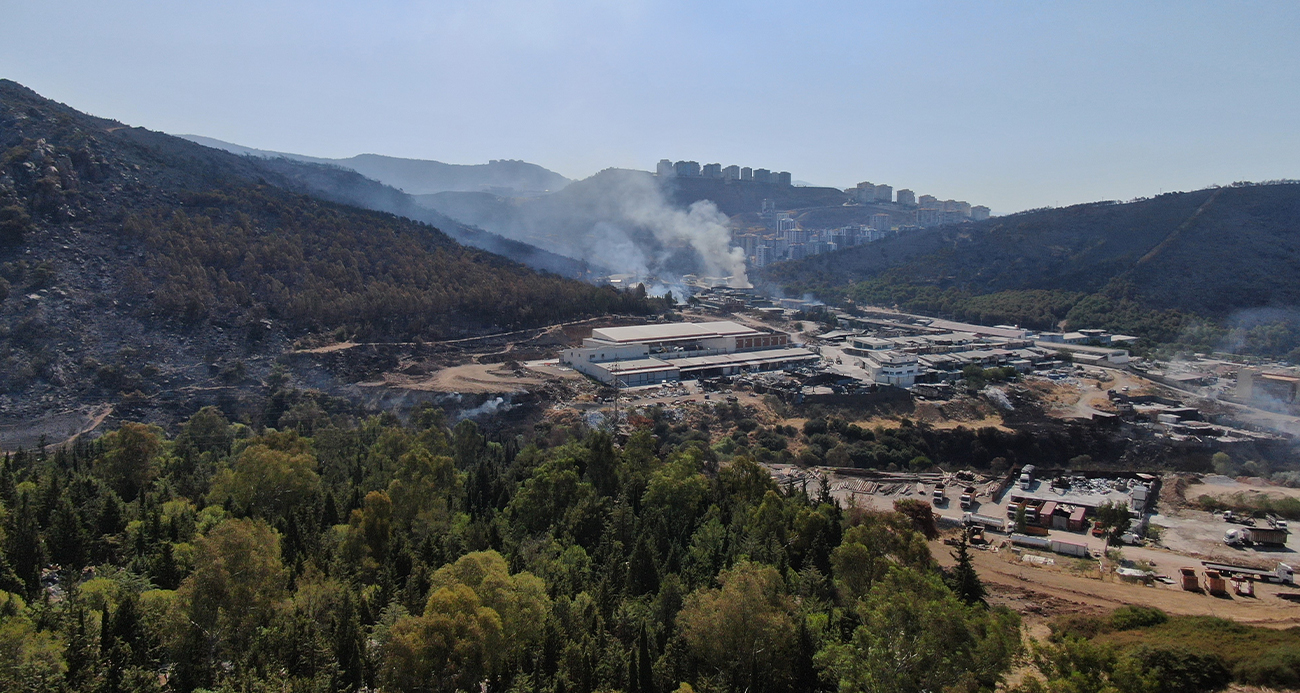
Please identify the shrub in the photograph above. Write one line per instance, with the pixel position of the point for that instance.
(1131, 617)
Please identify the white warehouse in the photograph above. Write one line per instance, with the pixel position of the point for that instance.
(647, 354)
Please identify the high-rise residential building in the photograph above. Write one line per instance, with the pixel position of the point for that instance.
(687, 169)
(928, 202)
(960, 206)
(954, 217)
(764, 256)
(747, 173)
(784, 222)
(884, 193)
(783, 178)
(664, 169)
(864, 192)
(749, 243)
(712, 170)
(979, 212)
(906, 197)
(881, 222)
(762, 175)
(798, 251)
(768, 210)
(929, 216)
(731, 172)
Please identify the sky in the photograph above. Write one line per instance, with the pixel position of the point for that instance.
(1014, 105)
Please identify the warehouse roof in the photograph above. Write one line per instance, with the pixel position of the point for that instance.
(671, 332)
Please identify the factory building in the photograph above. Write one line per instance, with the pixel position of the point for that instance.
(648, 354)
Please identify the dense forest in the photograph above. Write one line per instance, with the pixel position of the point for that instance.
(422, 557)
(342, 554)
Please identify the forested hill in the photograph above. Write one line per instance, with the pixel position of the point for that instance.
(1210, 253)
(130, 258)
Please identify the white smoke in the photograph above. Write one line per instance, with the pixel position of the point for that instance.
(701, 226)
(491, 406)
(633, 206)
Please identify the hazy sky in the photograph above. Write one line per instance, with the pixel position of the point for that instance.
(1009, 104)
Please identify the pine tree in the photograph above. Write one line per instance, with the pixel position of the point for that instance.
(962, 579)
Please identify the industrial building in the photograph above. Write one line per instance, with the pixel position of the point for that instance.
(648, 354)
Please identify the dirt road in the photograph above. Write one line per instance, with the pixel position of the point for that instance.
(1052, 590)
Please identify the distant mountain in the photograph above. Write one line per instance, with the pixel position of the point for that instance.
(143, 269)
(1159, 265)
(339, 184)
(423, 177)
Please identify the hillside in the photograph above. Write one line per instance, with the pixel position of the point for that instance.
(349, 187)
(136, 262)
(1222, 254)
(422, 176)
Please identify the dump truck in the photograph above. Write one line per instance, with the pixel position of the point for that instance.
(1283, 573)
(938, 496)
(967, 497)
(1189, 581)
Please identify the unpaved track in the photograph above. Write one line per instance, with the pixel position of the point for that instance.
(1081, 593)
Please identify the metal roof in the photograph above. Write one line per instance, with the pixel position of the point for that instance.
(672, 331)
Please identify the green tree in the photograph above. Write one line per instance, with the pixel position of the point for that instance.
(745, 631)
(962, 579)
(916, 635)
(129, 458)
(266, 482)
(1114, 518)
(451, 647)
(237, 580)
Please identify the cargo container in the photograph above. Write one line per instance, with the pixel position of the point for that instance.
(1045, 515)
(1070, 548)
(1214, 582)
(1077, 522)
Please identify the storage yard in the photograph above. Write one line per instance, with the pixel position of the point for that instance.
(1060, 565)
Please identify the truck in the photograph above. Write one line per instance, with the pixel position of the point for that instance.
(967, 497)
(1282, 574)
(1026, 477)
(1249, 536)
(1189, 581)
(938, 495)
(994, 523)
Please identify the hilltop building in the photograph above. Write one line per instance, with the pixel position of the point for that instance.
(648, 354)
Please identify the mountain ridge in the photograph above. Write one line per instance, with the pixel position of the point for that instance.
(420, 176)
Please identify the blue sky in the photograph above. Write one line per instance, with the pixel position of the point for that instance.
(1010, 104)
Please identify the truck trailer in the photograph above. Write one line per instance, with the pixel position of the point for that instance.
(988, 521)
(1282, 574)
